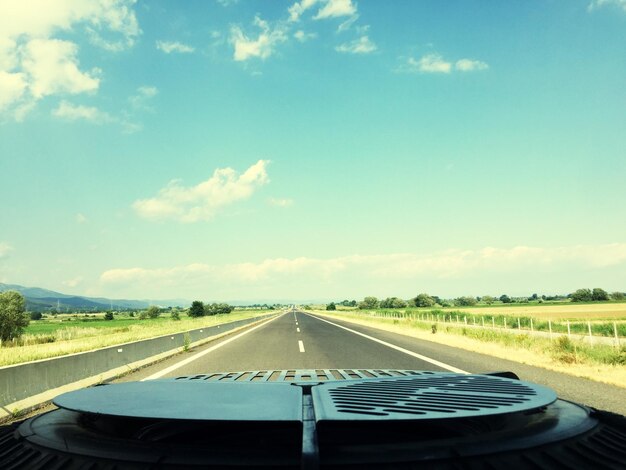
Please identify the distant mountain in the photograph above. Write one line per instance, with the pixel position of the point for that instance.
(38, 299)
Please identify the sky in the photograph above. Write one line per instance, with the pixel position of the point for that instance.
(321, 149)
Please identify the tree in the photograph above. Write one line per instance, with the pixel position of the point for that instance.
(424, 300)
(488, 299)
(143, 314)
(505, 299)
(13, 317)
(36, 316)
(581, 295)
(465, 301)
(619, 296)
(368, 303)
(108, 315)
(331, 306)
(599, 295)
(153, 311)
(215, 309)
(197, 309)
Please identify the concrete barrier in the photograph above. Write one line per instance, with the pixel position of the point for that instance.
(21, 381)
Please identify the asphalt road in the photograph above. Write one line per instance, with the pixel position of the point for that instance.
(304, 341)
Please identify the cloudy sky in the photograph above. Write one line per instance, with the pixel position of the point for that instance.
(320, 149)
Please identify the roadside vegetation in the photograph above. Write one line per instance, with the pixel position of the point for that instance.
(559, 351)
(27, 337)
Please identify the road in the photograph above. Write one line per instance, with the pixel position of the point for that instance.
(304, 341)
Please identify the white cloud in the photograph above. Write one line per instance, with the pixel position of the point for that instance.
(227, 3)
(374, 270)
(5, 249)
(469, 65)
(346, 25)
(173, 46)
(435, 63)
(35, 64)
(71, 112)
(280, 202)
(203, 201)
(430, 63)
(262, 47)
(143, 95)
(335, 9)
(600, 3)
(52, 67)
(80, 218)
(73, 282)
(297, 9)
(301, 36)
(362, 45)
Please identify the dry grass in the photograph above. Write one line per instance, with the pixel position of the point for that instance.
(526, 350)
(73, 340)
(609, 311)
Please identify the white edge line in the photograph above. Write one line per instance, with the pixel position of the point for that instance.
(398, 348)
(169, 369)
(301, 345)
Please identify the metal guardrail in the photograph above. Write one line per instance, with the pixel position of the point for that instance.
(20, 381)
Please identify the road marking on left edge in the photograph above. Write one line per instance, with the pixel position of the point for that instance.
(301, 345)
(205, 352)
(398, 348)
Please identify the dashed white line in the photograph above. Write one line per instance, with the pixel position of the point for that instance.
(180, 364)
(298, 330)
(301, 345)
(398, 348)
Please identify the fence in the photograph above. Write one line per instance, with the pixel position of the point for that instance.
(593, 332)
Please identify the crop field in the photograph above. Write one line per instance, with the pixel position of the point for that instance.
(570, 311)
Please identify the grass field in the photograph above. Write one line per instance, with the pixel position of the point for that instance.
(55, 337)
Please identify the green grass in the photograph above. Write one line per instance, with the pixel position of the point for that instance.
(52, 337)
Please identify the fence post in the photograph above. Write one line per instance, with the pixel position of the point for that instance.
(505, 323)
(493, 322)
(569, 333)
(465, 320)
(590, 337)
(474, 319)
(616, 337)
(550, 328)
(519, 325)
(531, 324)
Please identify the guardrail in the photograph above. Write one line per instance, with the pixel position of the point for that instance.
(20, 381)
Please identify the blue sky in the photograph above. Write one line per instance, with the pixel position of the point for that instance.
(328, 149)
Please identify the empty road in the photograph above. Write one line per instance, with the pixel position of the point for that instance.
(298, 340)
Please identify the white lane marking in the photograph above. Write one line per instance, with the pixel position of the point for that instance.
(204, 353)
(301, 345)
(298, 330)
(398, 348)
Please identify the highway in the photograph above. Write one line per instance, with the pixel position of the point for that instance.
(298, 340)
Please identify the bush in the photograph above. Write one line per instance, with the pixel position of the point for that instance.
(331, 306)
(197, 309)
(108, 316)
(465, 301)
(175, 315)
(369, 303)
(13, 317)
(143, 315)
(153, 311)
(36, 316)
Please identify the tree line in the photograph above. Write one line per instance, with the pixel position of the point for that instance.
(596, 294)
